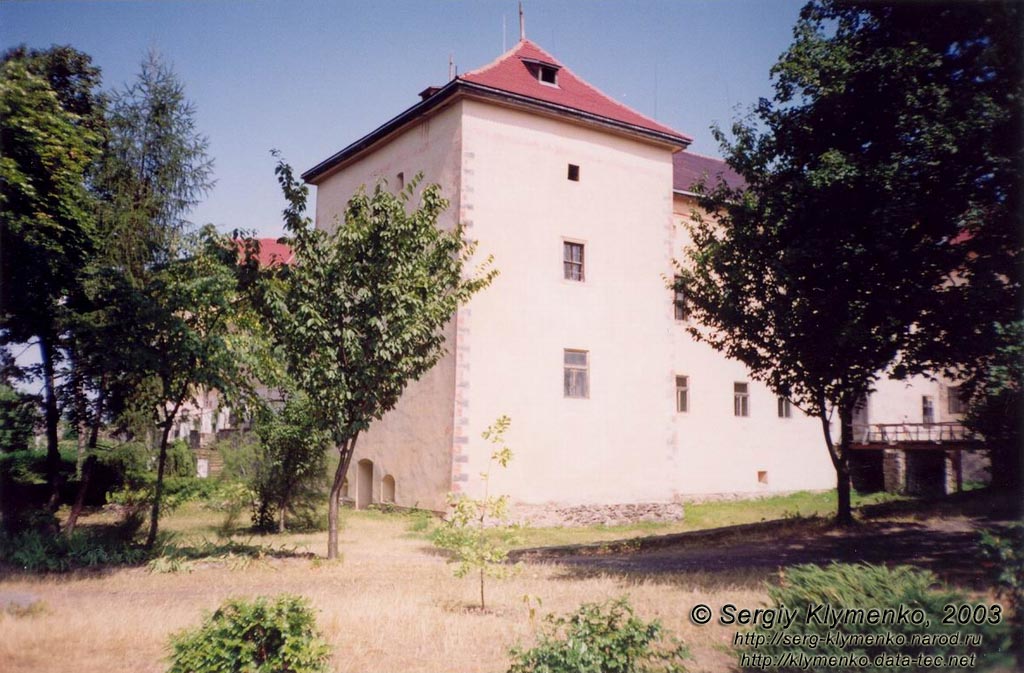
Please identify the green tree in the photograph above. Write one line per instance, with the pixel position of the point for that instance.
(47, 224)
(878, 232)
(361, 312)
(154, 169)
(18, 416)
(996, 405)
(192, 332)
(290, 462)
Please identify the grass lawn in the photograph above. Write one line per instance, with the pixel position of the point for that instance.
(707, 515)
(391, 604)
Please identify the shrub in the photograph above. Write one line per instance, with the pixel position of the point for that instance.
(600, 638)
(862, 587)
(261, 636)
(1005, 551)
(35, 551)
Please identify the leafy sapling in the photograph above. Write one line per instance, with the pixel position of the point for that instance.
(477, 531)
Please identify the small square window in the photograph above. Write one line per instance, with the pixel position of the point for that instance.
(785, 408)
(572, 261)
(682, 394)
(548, 75)
(574, 172)
(679, 299)
(762, 476)
(740, 399)
(576, 373)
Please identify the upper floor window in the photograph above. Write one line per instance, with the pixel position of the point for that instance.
(547, 74)
(927, 409)
(572, 260)
(576, 373)
(679, 299)
(785, 408)
(682, 394)
(956, 402)
(740, 399)
(574, 172)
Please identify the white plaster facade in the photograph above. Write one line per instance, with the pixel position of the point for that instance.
(503, 166)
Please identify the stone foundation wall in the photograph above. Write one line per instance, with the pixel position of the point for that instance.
(542, 516)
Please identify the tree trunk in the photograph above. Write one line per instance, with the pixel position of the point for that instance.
(281, 508)
(101, 398)
(345, 451)
(840, 459)
(159, 491)
(482, 606)
(844, 511)
(76, 510)
(52, 419)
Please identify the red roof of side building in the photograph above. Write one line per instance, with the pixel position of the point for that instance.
(513, 79)
(271, 252)
(689, 168)
(515, 72)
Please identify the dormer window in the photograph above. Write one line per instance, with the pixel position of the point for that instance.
(546, 73)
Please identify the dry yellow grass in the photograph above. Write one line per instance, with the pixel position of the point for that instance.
(390, 605)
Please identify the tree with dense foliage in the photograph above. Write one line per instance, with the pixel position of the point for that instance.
(191, 333)
(48, 132)
(996, 409)
(290, 461)
(362, 310)
(879, 228)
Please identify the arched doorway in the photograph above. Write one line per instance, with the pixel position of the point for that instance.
(364, 484)
(387, 489)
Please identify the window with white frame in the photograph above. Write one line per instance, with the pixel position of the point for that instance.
(572, 260)
(679, 299)
(576, 373)
(785, 408)
(682, 394)
(547, 74)
(927, 409)
(956, 402)
(740, 399)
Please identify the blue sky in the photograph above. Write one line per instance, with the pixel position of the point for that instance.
(310, 77)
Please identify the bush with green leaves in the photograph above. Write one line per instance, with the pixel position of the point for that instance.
(288, 466)
(601, 638)
(36, 551)
(477, 532)
(862, 587)
(1005, 552)
(265, 635)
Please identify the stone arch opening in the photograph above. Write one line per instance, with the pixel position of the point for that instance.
(387, 489)
(364, 484)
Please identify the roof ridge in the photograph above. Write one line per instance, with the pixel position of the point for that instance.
(495, 62)
(609, 98)
(704, 156)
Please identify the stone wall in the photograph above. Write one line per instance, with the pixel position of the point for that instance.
(541, 516)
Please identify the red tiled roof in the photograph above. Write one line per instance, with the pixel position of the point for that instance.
(512, 72)
(272, 252)
(688, 169)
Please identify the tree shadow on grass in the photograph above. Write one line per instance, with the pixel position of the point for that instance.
(950, 551)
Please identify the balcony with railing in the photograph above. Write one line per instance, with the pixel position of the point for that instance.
(948, 435)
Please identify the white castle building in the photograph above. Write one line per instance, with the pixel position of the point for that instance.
(581, 201)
